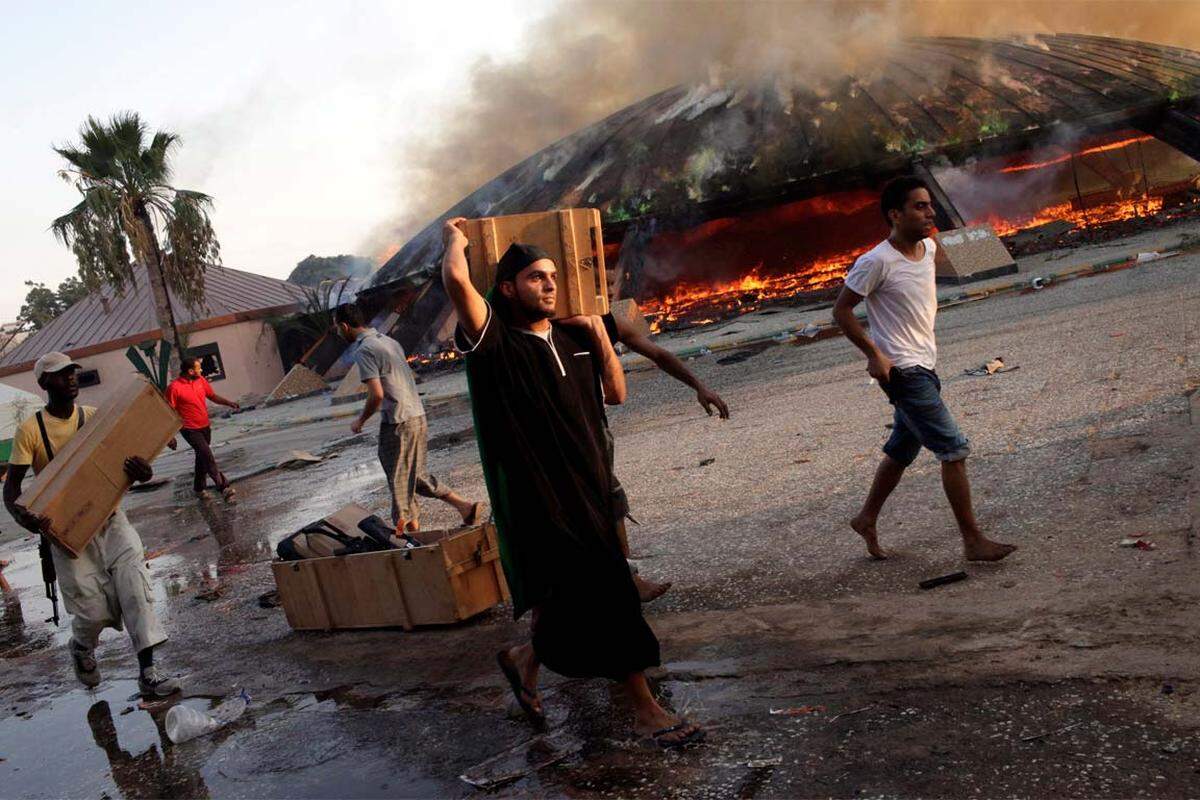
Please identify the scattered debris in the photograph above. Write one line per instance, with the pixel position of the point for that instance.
(1168, 689)
(763, 763)
(797, 711)
(127, 710)
(933, 583)
(708, 461)
(211, 594)
(1037, 736)
(993, 367)
(809, 331)
(150, 485)
(1137, 543)
(523, 759)
(802, 461)
(1153, 255)
(836, 717)
(269, 599)
(297, 459)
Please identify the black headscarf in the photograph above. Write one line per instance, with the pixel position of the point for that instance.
(516, 258)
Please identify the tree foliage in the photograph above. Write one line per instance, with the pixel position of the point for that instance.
(314, 269)
(129, 213)
(42, 304)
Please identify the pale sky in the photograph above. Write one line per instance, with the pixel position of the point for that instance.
(294, 116)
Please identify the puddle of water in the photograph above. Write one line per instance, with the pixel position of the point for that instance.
(88, 744)
(97, 744)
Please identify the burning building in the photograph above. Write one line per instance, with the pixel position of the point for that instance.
(717, 198)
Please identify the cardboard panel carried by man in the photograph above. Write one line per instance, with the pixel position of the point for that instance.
(105, 583)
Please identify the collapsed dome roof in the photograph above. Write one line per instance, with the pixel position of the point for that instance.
(686, 149)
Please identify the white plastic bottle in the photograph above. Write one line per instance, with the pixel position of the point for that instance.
(184, 723)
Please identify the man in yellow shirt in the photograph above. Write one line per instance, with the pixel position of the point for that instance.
(107, 585)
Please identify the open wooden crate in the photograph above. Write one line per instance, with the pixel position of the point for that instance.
(456, 575)
(572, 238)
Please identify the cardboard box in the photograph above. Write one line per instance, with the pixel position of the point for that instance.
(572, 238)
(455, 576)
(83, 485)
(970, 254)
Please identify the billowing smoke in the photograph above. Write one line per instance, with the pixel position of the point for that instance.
(589, 59)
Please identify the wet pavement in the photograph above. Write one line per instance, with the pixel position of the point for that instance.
(1069, 670)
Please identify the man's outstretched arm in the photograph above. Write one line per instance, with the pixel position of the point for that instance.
(878, 365)
(456, 277)
(670, 363)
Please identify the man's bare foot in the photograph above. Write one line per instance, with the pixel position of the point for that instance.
(866, 529)
(980, 548)
(649, 590)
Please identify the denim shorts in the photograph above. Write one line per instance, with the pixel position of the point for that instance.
(921, 418)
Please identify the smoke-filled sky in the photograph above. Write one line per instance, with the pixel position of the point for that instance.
(343, 128)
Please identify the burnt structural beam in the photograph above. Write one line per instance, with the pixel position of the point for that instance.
(1180, 130)
(947, 215)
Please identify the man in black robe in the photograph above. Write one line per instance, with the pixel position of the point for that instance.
(537, 392)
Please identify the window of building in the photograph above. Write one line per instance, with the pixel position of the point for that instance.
(88, 377)
(210, 360)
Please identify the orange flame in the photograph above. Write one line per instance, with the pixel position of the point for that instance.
(1100, 148)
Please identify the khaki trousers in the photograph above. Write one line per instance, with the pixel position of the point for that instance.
(402, 455)
(108, 586)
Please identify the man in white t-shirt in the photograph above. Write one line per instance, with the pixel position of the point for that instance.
(897, 280)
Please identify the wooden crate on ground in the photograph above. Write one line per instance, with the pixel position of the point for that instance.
(456, 575)
(573, 239)
(83, 485)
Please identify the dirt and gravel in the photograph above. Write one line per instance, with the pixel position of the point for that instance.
(1072, 669)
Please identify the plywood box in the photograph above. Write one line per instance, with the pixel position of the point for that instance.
(84, 483)
(970, 254)
(455, 576)
(572, 238)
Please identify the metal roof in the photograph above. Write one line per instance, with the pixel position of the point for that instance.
(672, 155)
(106, 320)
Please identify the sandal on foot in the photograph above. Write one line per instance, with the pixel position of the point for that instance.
(693, 734)
(525, 697)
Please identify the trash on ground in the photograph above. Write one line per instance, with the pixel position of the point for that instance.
(810, 330)
(993, 367)
(1137, 542)
(150, 485)
(184, 723)
(269, 599)
(297, 459)
(761, 763)
(707, 461)
(942, 580)
(1050, 733)
(836, 717)
(1153, 255)
(521, 760)
(796, 711)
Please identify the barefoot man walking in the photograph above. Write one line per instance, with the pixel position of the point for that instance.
(537, 392)
(897, 280)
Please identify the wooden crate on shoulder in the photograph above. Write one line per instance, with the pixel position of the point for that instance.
(84, 483)
(573, 239)
(455, 576)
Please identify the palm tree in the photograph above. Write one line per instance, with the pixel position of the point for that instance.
(128, 209)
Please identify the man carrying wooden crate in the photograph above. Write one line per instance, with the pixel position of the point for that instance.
(538, 389)
(108, 585)
(403, 429)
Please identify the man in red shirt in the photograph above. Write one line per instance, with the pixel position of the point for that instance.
(189, 395)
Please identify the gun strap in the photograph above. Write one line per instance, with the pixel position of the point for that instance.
(41, 421)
